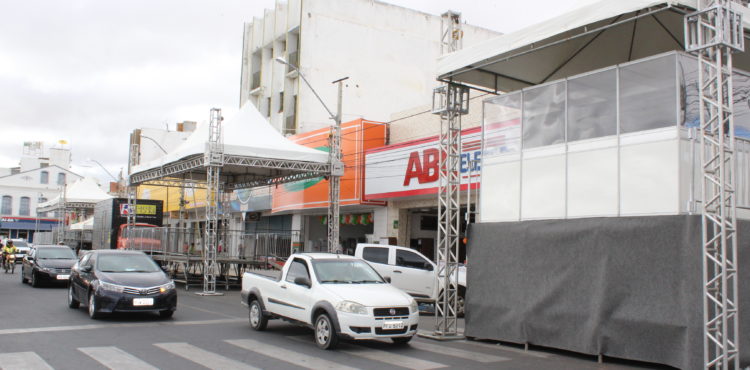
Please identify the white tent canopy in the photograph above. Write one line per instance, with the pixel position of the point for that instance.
(252, 149)
(599, 35)
(83, 193)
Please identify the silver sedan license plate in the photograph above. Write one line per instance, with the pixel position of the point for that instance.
(390, 325)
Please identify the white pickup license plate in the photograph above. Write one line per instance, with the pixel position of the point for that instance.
(143, 301)
(62, 277)
(390, 325)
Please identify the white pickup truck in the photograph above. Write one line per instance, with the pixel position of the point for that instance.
(411, 271)
(338, 296)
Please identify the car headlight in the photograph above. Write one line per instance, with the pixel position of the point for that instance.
(111, 287)
(351, 307)
(166, 287)
(413, 306)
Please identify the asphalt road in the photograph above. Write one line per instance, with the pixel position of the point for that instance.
(39, 331)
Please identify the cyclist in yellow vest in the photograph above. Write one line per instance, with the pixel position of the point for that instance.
(9, 250)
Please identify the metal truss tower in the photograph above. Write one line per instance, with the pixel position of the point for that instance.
(714, 33)
(214, 161)
(450, 101)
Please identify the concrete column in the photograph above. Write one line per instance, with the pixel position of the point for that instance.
(380, 224)
(298, 225)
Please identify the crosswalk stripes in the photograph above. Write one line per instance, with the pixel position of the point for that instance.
(454, 352)
(23, 361)
(115, 358)
(390, 358)
(292, 357)
(202, 357)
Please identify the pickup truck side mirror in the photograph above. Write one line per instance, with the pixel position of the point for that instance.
(86, 268)
(429, 266)
(302, 280)
(387, 279)
(30, 259)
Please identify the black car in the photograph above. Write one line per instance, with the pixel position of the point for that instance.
(121, 281)
(47, 264)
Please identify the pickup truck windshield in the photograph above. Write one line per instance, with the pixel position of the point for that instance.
(348, 271)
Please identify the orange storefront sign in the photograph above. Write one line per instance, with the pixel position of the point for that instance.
(356, 137)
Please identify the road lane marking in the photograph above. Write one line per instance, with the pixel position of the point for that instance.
(116, 359)
(455, 352)
(505, 348)
(182, 305)
(390, 358)
(109, 326)
(23, 361)
(292, 357)
(203, 357)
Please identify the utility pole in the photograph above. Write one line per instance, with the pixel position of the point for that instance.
(337, 170)
(714, 33)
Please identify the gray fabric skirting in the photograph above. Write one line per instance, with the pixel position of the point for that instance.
(626, 287)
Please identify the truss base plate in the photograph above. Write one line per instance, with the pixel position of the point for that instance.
(439, 336)
(209, 294)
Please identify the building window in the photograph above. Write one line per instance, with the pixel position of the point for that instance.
(60, 179)
(281, 101)
(41, 214)
(7, 207)
(44, 177)
(24, 208)
(268, 107)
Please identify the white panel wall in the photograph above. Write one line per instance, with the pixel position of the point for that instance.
(582, 180)
(592, 178)
(649, 172)
(543, 183)
(501, 189)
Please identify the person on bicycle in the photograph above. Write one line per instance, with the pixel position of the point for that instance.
(8, 250)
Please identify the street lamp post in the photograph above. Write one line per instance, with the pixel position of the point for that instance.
(337, 167)
(102, 167)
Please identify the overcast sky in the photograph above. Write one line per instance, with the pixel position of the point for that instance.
(91, 71)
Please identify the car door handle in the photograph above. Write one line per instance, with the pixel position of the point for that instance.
(283, 287)
(397, 271)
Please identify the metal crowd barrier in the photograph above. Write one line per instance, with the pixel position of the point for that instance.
(181, 251)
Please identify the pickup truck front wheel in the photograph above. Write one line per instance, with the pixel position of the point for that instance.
(325, 333)
(257, 320)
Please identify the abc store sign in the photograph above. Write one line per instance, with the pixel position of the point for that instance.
(411, 168)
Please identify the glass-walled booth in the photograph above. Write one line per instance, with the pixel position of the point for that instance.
(619, 141)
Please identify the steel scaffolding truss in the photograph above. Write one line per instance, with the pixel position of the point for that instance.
(199, 162)
(214, 159)
(218, 173)
(450, 101)
(714, 33)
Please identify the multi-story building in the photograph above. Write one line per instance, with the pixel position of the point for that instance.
(388, 52)
(41, 175)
